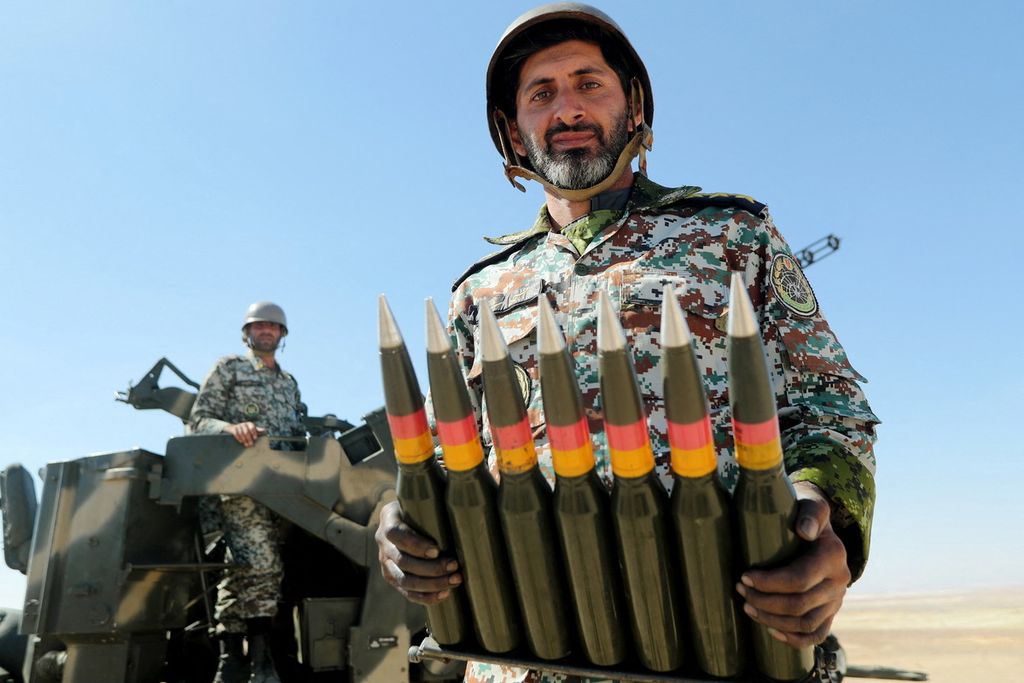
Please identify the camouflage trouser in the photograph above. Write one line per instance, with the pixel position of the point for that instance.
(253, 537)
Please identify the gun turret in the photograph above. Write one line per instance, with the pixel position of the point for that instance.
(147, 394)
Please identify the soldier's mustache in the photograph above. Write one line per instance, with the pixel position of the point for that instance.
(578, 128)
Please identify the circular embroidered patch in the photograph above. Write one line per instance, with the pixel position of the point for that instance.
(524, 383)
(251, 410)
(791, 286)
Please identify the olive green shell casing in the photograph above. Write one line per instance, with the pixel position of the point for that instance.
(583, 515)
(472, 503)
(421, 493)
(701, 507)
(582, 505)
(766, 513)
(421, 482)
(640, 515)
(764, 499)
(473, 510)
(527, 518)
(702, 513)
(650, 572)
(524, 504)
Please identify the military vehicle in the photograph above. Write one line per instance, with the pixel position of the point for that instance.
(121, 580)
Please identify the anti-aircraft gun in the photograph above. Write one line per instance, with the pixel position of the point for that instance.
(121, 579)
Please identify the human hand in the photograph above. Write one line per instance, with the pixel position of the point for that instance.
(245, 433)
(798, 601)
(411, 562)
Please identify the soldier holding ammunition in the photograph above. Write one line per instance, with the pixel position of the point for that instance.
(570, 104)
(247, 396)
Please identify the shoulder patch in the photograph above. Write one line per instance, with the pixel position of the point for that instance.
(791, 286)
(493, 257)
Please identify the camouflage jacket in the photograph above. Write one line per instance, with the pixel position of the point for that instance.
(692, 240)
(243, 389)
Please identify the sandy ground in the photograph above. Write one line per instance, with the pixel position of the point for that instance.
(955, 637)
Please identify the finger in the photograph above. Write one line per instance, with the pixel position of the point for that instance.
(419, 588)
(820, 560)
(793, 604)
(414, 566)
(812, 518)
(411, 543)
(810, 629)
(800, 575)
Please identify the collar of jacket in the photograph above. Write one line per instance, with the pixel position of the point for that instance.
(645, 196)
(258, 364)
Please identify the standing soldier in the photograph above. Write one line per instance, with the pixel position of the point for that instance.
(569, 105)
(247, 396)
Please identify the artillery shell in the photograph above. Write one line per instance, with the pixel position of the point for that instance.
(581, 503)
(765, 501)
(471, 498)
(420, 486)
(524, 503)
(701, 507)
(639, 505)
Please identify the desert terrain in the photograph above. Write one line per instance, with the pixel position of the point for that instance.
(954, 637)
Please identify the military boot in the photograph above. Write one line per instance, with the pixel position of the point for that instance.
(263, 670)
(233, 665)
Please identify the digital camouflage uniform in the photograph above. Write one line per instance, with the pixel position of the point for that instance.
(243, 389)
(693, 241)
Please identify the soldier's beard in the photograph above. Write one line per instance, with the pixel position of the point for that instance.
(263, 346)
(578, 168)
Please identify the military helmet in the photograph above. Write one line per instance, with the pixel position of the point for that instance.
(573, 11)
(637, 90)
(265, 311)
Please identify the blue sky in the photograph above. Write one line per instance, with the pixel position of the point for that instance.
(162, 165)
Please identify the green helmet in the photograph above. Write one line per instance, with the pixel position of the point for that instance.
(265, 311)
(594, 26)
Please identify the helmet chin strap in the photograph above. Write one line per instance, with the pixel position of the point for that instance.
(638, 146)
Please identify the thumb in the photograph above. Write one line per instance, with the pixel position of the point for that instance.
(812, 516)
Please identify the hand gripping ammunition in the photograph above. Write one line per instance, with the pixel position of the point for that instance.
(581, 502)
(524, 502)
(639, 504)
(765, 501)
(471, 498)
(421, 483)
(701, 508)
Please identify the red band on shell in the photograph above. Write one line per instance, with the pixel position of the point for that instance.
(459, 432)
(690, 436)
(569, 437)
(513, 436)
(758, 433)
(627, 437)
(408, 426)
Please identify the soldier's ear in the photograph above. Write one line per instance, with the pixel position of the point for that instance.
(517, 140)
